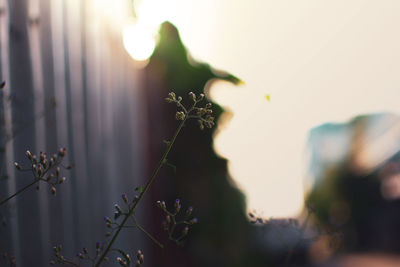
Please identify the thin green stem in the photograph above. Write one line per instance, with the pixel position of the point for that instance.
(36, 180)
(71, 263)
(149, 182)
(19, 191)
(150, 236)
(182, 107)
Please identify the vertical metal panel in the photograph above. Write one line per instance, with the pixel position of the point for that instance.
(10, 242)
(63, 50)
(40, 111)
(75, 111)
(23, 118)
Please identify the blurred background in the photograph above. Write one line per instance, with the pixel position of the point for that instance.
(305, 95)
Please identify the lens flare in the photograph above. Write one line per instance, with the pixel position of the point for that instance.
(139, 41)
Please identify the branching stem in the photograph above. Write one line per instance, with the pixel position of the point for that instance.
(19, 191)
(149, 182)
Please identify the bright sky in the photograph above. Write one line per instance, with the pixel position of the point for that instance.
(320, 61)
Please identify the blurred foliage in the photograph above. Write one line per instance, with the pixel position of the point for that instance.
(223, 236)
(350, 201)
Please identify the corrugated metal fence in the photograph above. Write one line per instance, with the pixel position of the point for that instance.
(70, 84)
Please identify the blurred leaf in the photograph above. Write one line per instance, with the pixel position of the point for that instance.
(139, 189)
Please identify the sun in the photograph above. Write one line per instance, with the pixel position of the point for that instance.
(139, 41)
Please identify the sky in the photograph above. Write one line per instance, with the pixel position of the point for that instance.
(319, 61)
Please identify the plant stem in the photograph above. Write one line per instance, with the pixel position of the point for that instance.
(150, 236)
(149, 182)
(19, 191)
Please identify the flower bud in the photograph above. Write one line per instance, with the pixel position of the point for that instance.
(51, 176)
(62, 151)
(201, 125)
(161, 204)
(140, 256)
(185, 230)
(189, 211)
(28, 154)
(17, 166)
(44, 163)
(125, 198)
(85, 250)
(51, 162)
(180, 115)
(192, 96)
(118, 208)
(172, 95)
(177, 205)
(42, 157)
(121, 261)
(40, 170)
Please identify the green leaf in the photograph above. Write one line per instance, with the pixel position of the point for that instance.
(139, 189)
(167, 142)
(173, 167)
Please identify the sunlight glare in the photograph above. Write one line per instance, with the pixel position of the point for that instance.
(140, 37)
(139, 41)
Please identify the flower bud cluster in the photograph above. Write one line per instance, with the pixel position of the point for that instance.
(171, 224)
(125, 260)
(46, 169)
(59, 258)
(202, 114)
(140, 258)
(81, 255)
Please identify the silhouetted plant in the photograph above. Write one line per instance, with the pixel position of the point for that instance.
(43, 170)
(125, 217)
(171, 223)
